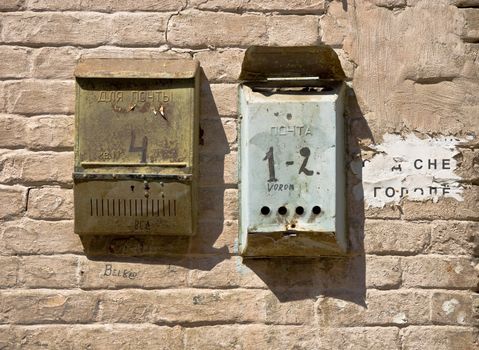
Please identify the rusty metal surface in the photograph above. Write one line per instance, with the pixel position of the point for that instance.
(128, 130)
(133, 207)
(263, 62)
(291, 147)
(123, 122)
(136, 68)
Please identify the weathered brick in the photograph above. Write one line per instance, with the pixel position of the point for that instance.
(214, 237)
(395, 237)
(218, 100)
(390, 4)
(228, 273)
(28, 236)
(454, 308)
(454, 238)
(300, 278)
(383, 272)
(46, 306)
(445, 208)
(52, 5)
(10, 266)
(218, 169)
(219, 136)
(133, 52)
(283, 30)
(3, 98)
(355, 338)
(56, 28)
(15, 62)
(36, 167)
(50, 203)
(193, 29)
(470, 31)
(14, 131)
(36, 133)
(335, 24)
(114, 275)
(206, 306)
(55, 62)
(124, 246)
(439, 272)
(387, 212)
(7, 337)
(217, 204)
(381, 308)
(221, 65)
(231, 204)
(251, 337)
(49, 272)
(13, 201)
(39, 97)
(439, 338)
(11, 5)
(139, 29)
(339, 275)
(50, 132)
(466, 3)
(292, 6)
(289, 278)
(111, 6)
(108, 337)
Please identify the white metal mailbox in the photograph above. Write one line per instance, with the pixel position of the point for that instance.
(292, 171)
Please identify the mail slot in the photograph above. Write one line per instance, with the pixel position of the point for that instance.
(136, 137)
(291, 145)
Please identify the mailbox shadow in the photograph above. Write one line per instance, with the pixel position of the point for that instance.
(339, 277)
(175, 250)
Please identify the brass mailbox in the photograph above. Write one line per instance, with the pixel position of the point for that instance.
(136, 132)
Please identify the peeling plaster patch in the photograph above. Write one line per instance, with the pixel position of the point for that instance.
(400, 318)
(449, 306)
(412, 168)
(341, 303)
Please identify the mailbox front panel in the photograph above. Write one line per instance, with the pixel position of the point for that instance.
(122, 205)
(135, 156)
(292, 165)
(135, 123)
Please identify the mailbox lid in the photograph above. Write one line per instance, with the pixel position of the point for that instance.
(263, 62)
(136, 68)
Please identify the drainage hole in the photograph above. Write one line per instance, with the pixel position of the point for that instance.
(299, 210)
(282, 210)
(293, 226)
(265, 210)
(316, 209)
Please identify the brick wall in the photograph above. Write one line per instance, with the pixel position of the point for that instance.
(411, 280)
